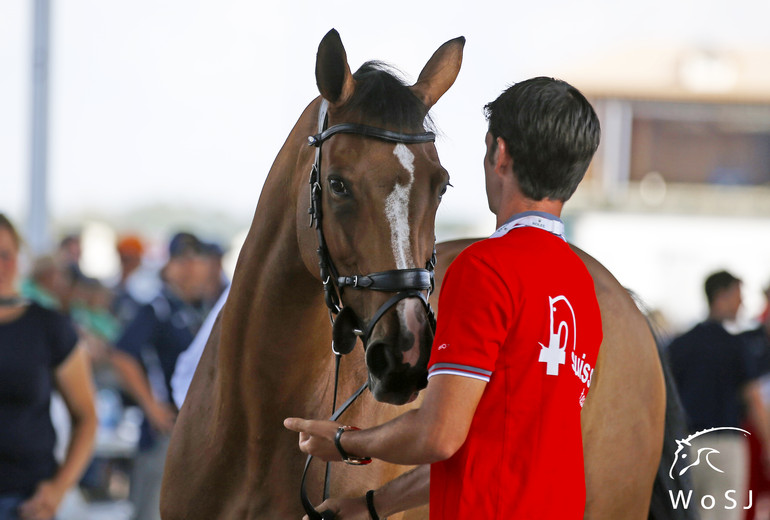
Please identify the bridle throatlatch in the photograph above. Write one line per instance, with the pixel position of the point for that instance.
(405, 283)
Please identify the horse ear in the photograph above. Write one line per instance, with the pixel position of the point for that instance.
(332, 72)
(343, 335)
(440, 72)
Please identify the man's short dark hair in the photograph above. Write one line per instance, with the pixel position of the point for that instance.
(551, 131)
(718, 282)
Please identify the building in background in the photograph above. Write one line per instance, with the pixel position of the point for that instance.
(680, 185)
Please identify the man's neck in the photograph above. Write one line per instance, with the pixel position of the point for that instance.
(520, 205)
(719, 317)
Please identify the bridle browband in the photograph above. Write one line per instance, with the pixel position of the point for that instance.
(366, 131)
(405, 283)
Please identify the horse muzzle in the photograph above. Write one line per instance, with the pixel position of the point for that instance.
(397, 352)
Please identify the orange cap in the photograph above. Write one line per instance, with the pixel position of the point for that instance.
(130, 245)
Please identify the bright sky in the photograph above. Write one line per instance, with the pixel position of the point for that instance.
(187, 102)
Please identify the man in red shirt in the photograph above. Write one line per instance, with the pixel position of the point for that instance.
(517, 339)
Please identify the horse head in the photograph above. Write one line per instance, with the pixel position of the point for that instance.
(378, 186)
(682, 447)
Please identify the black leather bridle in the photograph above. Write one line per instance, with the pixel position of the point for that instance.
(405, 283)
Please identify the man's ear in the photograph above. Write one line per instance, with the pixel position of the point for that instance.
(503, 159)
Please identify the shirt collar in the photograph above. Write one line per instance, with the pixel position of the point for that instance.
(536, 219)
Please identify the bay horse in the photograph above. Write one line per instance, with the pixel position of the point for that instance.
(268, 356)
(372, 197)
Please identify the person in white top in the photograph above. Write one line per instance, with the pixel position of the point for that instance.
(188, 360)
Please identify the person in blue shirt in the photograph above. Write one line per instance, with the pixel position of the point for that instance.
(145, 357)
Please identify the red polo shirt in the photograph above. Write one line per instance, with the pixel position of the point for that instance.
(518, 311)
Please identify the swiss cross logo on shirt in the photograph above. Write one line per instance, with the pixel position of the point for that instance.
(562, 333)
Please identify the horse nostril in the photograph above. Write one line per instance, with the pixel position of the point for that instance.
(378, 358)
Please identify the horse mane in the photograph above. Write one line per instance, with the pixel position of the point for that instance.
(382, 95)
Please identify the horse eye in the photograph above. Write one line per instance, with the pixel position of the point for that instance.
(443, 189)
(338, 187)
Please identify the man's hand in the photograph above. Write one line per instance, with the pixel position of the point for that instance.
(316, 438)
(43, 504)
(345, 508)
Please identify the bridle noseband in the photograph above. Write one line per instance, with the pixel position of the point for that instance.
(405, 283)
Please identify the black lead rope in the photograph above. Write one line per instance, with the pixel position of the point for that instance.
(337, 359)
(309, 509)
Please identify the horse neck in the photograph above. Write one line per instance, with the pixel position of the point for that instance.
(275, 327)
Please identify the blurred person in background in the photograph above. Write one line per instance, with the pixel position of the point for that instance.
(757, 344)
(48, 284)
(69, 253)
(217, 287)
(124, 303)
(766, 312)
(145, 357)
(216, 279)
(717, 381)
(39, 352)
(187, 362)
(90, 309)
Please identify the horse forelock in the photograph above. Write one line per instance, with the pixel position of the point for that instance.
(382, 96)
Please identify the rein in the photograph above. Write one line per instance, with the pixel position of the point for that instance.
(405, 283)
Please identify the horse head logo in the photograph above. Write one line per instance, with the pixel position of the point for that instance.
(562, 316)
(702, 455)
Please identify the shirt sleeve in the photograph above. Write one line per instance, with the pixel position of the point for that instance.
(63, 337)
(475, 312)
(138, 333)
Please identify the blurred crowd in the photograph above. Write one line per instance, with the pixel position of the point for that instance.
(723, 380)
(118, 355)
(129, 334)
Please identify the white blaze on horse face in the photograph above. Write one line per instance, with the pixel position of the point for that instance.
(397, 210)
(408, 310)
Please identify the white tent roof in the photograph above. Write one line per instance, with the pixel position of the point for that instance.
(676, 74)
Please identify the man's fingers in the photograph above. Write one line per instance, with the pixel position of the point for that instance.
(296, 424)
(313, 427)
